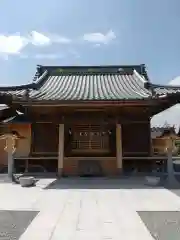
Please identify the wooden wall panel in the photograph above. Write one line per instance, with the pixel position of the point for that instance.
(136, 139)
(71, 165)
(45, 138)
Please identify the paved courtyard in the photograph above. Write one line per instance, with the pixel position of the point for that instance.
(93, 209)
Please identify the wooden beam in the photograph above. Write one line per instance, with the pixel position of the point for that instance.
(89, 103)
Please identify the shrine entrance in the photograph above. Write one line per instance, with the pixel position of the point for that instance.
(91, 140)
(90, 145)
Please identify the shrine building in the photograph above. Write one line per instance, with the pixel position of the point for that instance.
(88, 120)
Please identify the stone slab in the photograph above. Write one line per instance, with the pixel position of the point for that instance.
(162, 225)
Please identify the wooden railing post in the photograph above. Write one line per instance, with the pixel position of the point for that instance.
(61, 149)
(119, 148)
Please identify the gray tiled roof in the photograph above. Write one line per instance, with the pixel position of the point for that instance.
(109, 86)
(91, 83)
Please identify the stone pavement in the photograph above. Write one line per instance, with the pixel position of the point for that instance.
(88, 209)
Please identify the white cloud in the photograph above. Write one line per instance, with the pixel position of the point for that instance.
(12, 44)
(39, 39)
(59, 39)
(48, 56)
(175, 81)
(62, 40)
(99, 38)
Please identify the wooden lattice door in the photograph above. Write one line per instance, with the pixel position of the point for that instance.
(90, 139)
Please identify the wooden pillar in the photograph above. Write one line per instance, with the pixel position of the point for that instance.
(61, 149)
(119, 148)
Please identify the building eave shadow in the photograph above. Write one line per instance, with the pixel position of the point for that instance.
(100, 183)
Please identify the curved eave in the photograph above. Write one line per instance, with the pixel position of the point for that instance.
(163, 90)
(18, 88)
(9, 101)
(164, 86)
(173, 97)
(22, 91)
(8, 113)
(7, 98)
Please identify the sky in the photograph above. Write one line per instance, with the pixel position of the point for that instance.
(89, 32)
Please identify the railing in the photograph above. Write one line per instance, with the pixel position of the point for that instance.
(151, 157)
(35, 157)
(124, 157)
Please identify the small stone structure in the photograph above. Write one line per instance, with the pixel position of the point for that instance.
(27, 181)
(152, 180)
(10, 149)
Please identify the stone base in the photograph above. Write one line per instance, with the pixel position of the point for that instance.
(60, 172)
(172, 183)
(27, 181)
(152, 181)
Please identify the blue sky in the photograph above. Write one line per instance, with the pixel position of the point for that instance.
(89, 32)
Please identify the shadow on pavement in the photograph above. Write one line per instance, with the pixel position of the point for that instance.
(14, 223)
(100, 183)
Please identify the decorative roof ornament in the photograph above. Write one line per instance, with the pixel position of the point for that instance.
(120, 69)
(167, 125)
(60, 70)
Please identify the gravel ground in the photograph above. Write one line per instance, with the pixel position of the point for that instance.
(162, 225)
(14, 223)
